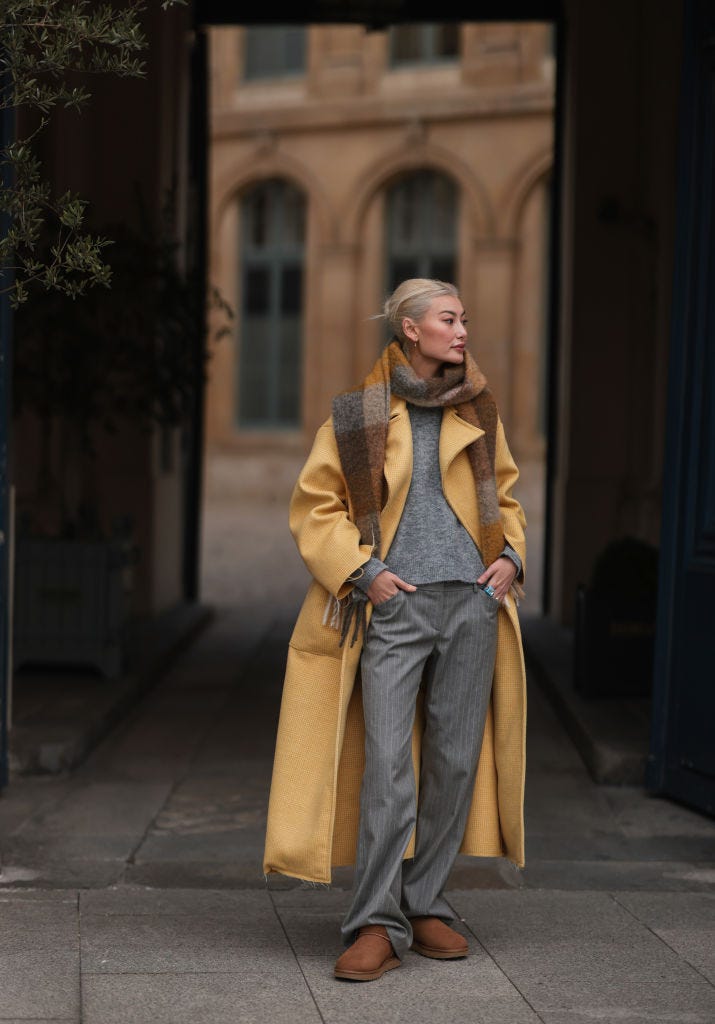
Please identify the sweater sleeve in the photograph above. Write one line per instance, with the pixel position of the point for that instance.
(372, 568)
(509, 552)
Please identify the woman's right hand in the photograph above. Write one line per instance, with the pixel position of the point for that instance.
(385, 585)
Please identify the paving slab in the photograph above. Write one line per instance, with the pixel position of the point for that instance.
(179, 923)
(41, 925)
(671, 875)
(190, 874)
(615, 1015)
(314, 898)
(52, 896)
(39, 958)
(60, 715)
(208, 803)
(612, 734)
(562, 802)
(484, 873)
(597, 845)
(40, 984)
(543, 755)
(160, 743)
(29, 796)
(61, 874)
(99, 809)
(580, 845)
(167, 943)
(266, 989)
(584, 953)
(312, 932)
(472, 990)
(638, 813)
(138, 900)
(684, 921)
(222, 846)
(36, 848)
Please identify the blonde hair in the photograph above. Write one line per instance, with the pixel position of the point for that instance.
(412, 298)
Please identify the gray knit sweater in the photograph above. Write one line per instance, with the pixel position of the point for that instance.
(430, 544)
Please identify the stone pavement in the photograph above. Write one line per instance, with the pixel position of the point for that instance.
(131, 889)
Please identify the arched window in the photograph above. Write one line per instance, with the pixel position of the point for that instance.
(271, 289)
(421, 228)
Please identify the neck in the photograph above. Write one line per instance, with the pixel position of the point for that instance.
(424, 366)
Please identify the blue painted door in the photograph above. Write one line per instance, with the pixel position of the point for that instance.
(682, 756)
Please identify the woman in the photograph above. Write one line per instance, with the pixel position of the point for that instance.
(405, 670)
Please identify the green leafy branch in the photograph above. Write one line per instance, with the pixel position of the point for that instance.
(44, 43)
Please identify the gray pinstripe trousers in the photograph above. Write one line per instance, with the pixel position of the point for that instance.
(444, 635)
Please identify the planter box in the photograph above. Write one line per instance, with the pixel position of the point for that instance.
(69, 603)
(613, 644)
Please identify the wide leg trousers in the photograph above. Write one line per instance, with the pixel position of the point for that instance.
(444, 636)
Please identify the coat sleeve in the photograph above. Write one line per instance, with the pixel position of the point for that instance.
(512, 514)
(328, 542)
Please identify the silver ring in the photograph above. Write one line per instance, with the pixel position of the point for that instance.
(489, 589)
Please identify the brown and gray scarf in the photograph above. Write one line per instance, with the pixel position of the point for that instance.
(360, 421)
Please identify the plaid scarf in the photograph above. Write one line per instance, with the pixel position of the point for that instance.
(360, 420)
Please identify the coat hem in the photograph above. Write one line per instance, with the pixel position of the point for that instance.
(316, 882)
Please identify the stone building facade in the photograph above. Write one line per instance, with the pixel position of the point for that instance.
(344, 160)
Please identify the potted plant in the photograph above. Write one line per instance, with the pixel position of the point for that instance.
(615, 622)
(130, 352)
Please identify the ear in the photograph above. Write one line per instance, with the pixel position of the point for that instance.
(409, 329)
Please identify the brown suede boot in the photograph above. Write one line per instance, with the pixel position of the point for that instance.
(370, 955)
(432, 937)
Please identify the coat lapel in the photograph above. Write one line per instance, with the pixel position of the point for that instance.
(455, 436)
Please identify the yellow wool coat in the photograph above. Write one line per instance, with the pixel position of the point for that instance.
(319, 757)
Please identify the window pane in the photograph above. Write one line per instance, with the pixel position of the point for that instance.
(293, 227)
(254, 394)
(442, 270)
(423, 43)
(255, 299)
(294, 49)
(289, 377)
(291, 282)
(406, 43)
(401, 270)
(256, 214)
(273, 50)
(421, 226)
(270, 357)
(446, 40)
(443, 209)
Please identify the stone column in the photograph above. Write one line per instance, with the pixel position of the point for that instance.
(491, 316)
(335, 321)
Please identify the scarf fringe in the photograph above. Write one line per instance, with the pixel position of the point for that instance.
(333, 613)
(353, 614)
(341, 615)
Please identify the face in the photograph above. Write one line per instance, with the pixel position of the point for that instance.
(441, 335)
